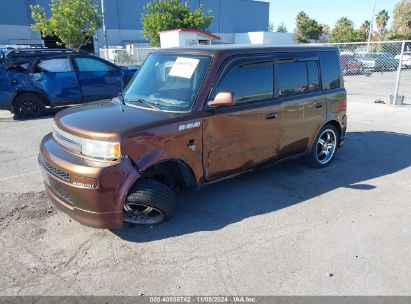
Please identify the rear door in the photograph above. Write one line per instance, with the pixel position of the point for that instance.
(304, 104)
(246, 134)
(57, 79)
(98, 78)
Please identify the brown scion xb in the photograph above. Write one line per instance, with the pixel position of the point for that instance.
(191, 117)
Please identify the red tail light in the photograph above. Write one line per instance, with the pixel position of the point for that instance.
(342, 105)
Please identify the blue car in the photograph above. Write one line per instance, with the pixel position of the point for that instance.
(32, 80)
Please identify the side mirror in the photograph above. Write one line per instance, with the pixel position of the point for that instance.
(112, 69)
(222, 99)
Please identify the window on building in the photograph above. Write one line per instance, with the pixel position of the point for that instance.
(330, 70)
(248, 83)
(91, 65)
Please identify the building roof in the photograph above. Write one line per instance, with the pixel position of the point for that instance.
(214, 37)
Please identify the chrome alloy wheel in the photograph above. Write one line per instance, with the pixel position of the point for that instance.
(142, 214)
(326, 146)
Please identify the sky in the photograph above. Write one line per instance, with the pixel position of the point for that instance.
(326, 11)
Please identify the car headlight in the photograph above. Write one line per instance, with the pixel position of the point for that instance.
(100, 149)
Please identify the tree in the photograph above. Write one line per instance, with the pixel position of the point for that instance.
(307, 28)
(365, 28)
(381, 20)
(326, 29)
(281, 28)
(74, 22)
(161, 15)
(344, 32)
(401, 24)
(271, 27)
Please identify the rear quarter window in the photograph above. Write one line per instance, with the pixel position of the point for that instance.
(330, 70)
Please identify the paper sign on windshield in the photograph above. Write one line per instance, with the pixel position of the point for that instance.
(184, 67)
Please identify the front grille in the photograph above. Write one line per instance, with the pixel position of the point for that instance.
(67, 140)
(56, 172)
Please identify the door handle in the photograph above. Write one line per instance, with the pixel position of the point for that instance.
(318, 105)
(271, 116)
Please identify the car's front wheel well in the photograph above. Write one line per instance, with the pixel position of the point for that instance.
(174, 173)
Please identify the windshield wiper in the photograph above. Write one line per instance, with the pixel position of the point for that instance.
(143, 101)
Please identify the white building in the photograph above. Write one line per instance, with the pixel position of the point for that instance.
(185, 37)
(267, 38)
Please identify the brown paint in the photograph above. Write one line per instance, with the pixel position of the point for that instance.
(229, 139)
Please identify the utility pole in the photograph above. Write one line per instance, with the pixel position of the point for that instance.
(371, 27)
(104, 24)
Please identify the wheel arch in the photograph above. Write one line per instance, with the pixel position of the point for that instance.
(332, 122)
(337, 125)
(42, 96)
(176, 173)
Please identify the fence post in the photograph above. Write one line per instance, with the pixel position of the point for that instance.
(397, 83)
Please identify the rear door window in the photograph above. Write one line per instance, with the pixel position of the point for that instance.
(296, 78)
(57, 65)
(292, 78)
(330, 70)
(91, 65)
(248, 82)
(313, 76)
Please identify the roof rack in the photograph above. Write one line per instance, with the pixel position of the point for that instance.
(41, 51)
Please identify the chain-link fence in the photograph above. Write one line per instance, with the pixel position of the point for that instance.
(371, 70)
(126, 57)
(378, 71)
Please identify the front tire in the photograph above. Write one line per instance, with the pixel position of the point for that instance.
(324, 147)
(27, 106)
(149, 202)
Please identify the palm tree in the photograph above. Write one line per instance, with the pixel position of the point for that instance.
(365, 28)
(381, 20)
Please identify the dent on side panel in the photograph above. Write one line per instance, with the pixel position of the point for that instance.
(177, 141)
(10, 83)
(59, 87)
(239, 140)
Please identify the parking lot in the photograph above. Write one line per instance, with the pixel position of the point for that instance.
(286, 230)
(379, 85)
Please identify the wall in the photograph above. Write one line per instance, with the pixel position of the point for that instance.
(15, 18)
(264, 38)
(123, 19)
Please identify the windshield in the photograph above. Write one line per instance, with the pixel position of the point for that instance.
(168, 82)
(3, 53)
(371, 56)
(350, 58)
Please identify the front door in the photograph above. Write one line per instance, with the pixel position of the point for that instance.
(98, 79)
(57, 79)
(246, 134)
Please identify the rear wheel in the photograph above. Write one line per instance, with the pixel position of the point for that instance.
(28, 105)
(324, 148)
(149, 202)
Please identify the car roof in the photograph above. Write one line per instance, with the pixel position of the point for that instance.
(246, 49)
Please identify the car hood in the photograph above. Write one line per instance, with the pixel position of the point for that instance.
(109, 120)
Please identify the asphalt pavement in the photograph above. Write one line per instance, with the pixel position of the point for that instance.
(286, 230)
